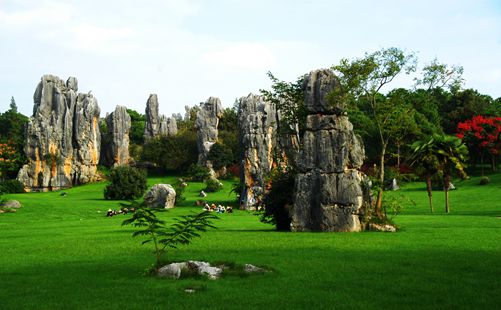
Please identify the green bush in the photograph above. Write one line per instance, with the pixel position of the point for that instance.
(126, 183)
(484, 180)
(220, 155)
(11, 187)
(180, 187)
(212, 185)
(278, 199)
(198, 173)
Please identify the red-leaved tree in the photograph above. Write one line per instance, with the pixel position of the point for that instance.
(482, 135)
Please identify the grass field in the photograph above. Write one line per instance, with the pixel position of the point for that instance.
(64, 253)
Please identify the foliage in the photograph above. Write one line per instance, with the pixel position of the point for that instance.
(174, 153)
(155, 230)
(180, 188)
(484, 180)
(278, 200)
(212, 185)
(365, 77)
(11, 187)
(220, 155)
(288, 97)
(198, 173)
(444, 154)
(10, 160)
(482, 135)
(126, 183)
(138, 122)
(440, 75)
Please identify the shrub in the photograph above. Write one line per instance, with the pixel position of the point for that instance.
(220, 155)
(126, 183)
(198, 173)
(180, 187)
(484, 180)
(212, 185)
(11, 187)
(278, 199)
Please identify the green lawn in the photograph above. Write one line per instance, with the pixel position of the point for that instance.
(64, 253)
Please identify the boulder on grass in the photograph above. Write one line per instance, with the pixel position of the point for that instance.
(161, 196)
(11, 204)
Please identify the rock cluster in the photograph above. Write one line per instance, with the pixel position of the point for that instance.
(329, 192)
(157, 125)
(62, 137)
(115, 146)
(174, 270)
(161, 196)
(257, 123)
(206, 125)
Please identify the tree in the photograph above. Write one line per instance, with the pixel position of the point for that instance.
(13, 105)
(443, 154)
(365, 77)
(440, 75)
(155, 230)
(482, 135)
(137, 127)
(126, 183)
(175, 153)
(220, 155)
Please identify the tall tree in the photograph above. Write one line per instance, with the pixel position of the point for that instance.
(445, 154)
(365, 77)
(440, 75)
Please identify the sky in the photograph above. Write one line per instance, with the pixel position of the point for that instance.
(188, 50)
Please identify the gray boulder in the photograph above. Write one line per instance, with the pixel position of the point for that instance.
(172, 271)
(329, 191)
(115, 146)
(11, 204)
(63, 140)
(161, 196)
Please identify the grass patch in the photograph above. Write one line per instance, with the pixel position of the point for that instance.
(62, 252)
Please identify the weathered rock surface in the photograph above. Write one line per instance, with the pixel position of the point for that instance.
(11, 204)
(62, 137)
(206, 124)
(115, 146)
(329, 191)
(172, 270)
(157, 125)
(257, 123)
(161, 196)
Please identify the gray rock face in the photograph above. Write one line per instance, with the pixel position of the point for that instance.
(156, 124)
(329, 191)
(161, 196)
(115, 150)
(257, 123)
(206, 124)
(62, 137)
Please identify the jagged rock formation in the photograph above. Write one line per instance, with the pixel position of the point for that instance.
(62, 137)
(206, 124)
(156, 124)
(329, 192)
(257, 123)
(115, 146)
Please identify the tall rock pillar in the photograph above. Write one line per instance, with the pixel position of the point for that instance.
(328, 193)
(206, 124)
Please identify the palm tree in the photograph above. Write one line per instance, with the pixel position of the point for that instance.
(445, 154)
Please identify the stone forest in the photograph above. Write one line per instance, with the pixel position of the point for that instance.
(322, 193)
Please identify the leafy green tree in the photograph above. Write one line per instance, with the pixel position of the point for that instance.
(126, 183)
(365, 77)
(276, 201)
(220, 155)
(137, 127)
(443, 154)
(440, 75)
(162, 236)
(175, 153)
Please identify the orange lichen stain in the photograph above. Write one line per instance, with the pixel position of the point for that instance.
(94, 157)
(270, 148)
(249, 182)
(67, 166)
(53, 157)
(38, 168)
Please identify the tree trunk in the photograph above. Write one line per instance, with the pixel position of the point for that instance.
(493, 163)
(428, 189)
(379, 203)
(482, 162)
(398, 157)
(446, 191)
